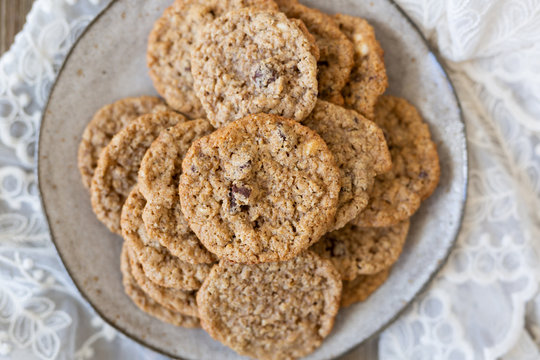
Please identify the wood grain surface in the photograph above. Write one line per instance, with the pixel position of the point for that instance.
(12, 18)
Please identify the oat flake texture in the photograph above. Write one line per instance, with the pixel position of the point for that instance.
(397, 194)
(273, 310)
(249, 61)
(169, 47)
(261, 189)
(145, 303)
(358, 251)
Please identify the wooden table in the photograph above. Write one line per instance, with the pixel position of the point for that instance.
(12, 18)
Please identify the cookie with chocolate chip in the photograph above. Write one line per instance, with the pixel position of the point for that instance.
(360, 151)
(261, 189)
(250, 61)
(358, 251)
(336, 50)
(169, 46)
(397, 194)
(368, 78)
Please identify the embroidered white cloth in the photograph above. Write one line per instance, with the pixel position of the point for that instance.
(484, 303)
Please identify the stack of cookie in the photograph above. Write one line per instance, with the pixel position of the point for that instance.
(272, 185)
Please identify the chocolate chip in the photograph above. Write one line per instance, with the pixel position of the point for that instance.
(236, 191)
(258, 223)
(423, 174)
(264, 76)
(245, 165)
(244, 191)
(232, 199)
(193, 168)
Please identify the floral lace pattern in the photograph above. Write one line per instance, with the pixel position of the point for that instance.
(484, 304)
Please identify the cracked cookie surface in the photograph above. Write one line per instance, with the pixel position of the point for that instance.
(106, 123)
(251, 61)
(362, 287)
(358, 251)
(116, 172)
(397, 194)
(182, 301)
(169, 47)
(336, 58)
(158, 179)
(272, 310)
(368, 78)
(157, 262)
(145, 303)
(261, 189)
(360, 152)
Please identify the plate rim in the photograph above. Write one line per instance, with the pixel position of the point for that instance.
(403, 309)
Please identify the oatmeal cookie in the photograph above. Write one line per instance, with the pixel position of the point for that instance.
(261, 189)
(358, 251)
(336, 50)
(106, 122)
(116, 172)
(158, 183)
(145, 303)
(181, 301)
(250, 61)
(157, 262)
(362, 287)
(272, 310)
(368, 77)
(169, 46)
(397, 194)
(360, 151)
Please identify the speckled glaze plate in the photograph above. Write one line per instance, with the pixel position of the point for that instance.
(108, 63)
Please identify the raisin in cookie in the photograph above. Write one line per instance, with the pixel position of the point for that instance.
(157, 262)
(106, 122)
(145, 303)
(116, 172)
(368, 78)
(362, 287)
(360, 151)
(336, 50)
(169, 46)
(261, 189)
(273, 310)
(158, 183)
(415, 173)
(181, 301)
(358, 251)
(251, 61)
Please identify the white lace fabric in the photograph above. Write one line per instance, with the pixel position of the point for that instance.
(484, 304)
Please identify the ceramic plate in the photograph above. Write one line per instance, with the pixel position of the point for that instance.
(108, 63)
